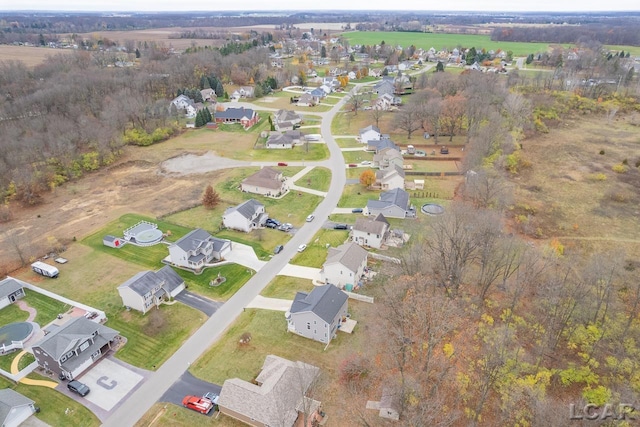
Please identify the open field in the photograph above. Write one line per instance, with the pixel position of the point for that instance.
(30, 55)
(574, 194)
(286, 287)
(318, 179)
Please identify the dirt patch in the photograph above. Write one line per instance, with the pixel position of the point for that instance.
(188, 164)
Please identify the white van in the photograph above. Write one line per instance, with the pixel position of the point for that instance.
(45, 269)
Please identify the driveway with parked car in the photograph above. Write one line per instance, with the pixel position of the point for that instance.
(188, 385)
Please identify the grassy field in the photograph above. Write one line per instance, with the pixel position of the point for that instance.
(235, 274)
(283, 100)
(305, 152)
(348, 143)
(357, 156)
(316, 252)
(170, 415)
(53, 404)
(268, 329)
(318, 179)
(286, 287)
(30, 55)
(442, 41)
(431, 166)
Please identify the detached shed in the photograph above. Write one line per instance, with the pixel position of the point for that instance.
(113, 241)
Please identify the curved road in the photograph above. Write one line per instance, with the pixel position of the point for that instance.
(129, 412)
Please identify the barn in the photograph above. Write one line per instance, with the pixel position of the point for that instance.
(113, 241)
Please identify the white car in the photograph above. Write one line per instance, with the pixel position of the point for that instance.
(310, 218)
(302, 248)
(365, 163)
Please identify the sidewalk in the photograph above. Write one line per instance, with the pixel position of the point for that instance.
(307, 190)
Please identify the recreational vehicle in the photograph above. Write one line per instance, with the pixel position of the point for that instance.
(45, 269)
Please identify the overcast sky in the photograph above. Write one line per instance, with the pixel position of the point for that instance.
(213, 5)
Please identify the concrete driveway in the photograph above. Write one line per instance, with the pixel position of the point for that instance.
(245, 256)
(300, 271)
(186, 385)
(276, 304)
(205, 305)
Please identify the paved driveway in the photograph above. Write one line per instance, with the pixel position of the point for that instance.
(245, 256)
(300, 271)
(205, 305)
(276, 304)
(187, 384)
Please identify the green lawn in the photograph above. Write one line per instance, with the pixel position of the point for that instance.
(439, 41)
(47, 308)
(318, 179)
(349, 219)
(11, 314)
(348, 143)
(53, 405)
(153, 337)
(263, 241)
(229, 359)
(169, 415)
(316, 252)
(431, 166)
(356, 195)
(354, 173)
(305, 152)
(357, 156)
(286, 287)
(235, 274)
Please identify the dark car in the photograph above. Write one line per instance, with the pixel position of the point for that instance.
(282, 164)
(270, 225)
(340, 227)
(273, 221)
(278, 249)
(356, 210)
(444, 150)
(78, 387)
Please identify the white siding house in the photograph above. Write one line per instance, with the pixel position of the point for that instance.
(245, 217)
(149, 289)
(345, 265)
(198, 248)
(10, 291)
(370, 231)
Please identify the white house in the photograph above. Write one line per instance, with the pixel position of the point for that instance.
(246, 216)
(284, 120)
(344, 266)
(317, 314)
(198, 248)
(149, 289)
(283, 140)
(370, 231)
(267, 182)
(11, 290)
(186, 104)
(370, 133)
(14, 408)
(390, 178)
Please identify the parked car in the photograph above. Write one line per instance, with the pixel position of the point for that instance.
(278, 249)
(353, 165)
(356, 210)
(270, 225)
(340, 227)
(310, 218)
(285, 227)
(302, 248)
(367, 108)
(365, 162)
(79, 388)
(198, 404)
(444, 150)
(212, 397)
(282, 164)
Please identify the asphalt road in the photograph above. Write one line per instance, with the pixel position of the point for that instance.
(198, 302)
(153, 389)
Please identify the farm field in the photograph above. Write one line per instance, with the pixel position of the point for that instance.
(30, 55)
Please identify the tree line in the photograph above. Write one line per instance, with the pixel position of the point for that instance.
(628, 35)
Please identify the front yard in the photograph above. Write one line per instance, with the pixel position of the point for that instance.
(286, 287)
(319, 178)
(316, 252)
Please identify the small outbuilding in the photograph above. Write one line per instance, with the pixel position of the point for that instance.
(113, 241)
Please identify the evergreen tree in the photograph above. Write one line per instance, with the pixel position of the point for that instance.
(471, 56)
(197, 96)
(207, 115)
(439, 67)
(138, 53)
(219, 89)
(204, 83)
(200, 121)
(211, 198)
(323, 52)
(529, 59)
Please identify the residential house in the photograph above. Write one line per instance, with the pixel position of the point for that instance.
(149, 289)
(390, 178)
(392, 204)
(384, 86)
(14, 408)
(383, 102)
(387, 157)
(285, 139)
(73, 347)
(198, 248)
(284, 120)
(11, 290)
(344, 266)
(370, 231)
(381, 144)
(318, 94)
(209, 95)
(247, 117)
(247, 216)
(185, 104)
(307, 100)
(276, 396)
(318, 314)
(242, 92)
(267, 182)
(370, 133)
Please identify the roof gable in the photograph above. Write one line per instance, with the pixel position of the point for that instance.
(9, 286)
(349, 254)
(324, 301)
(68, 336)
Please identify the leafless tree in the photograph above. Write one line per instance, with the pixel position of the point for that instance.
(407, 119)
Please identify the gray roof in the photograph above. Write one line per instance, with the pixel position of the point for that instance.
(9, 286)
(109, 238)
(145, 281)
(348, 254)
(324, 301)
(265, 177)
(382, 143)
(11, 399)
(247, 209)
(390, 171)
(73, 333)
(283, 384)
(396, 197)
(235, 113)
(371, 225)
(197, 238)
(368, 128)
(287, 116)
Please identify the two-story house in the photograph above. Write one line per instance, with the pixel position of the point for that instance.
(370, 231)
(246, 216)
(185, 104)
(70, 349)
(392, 204)
(266, 182)
(317, 314)
(387, 157)
(344, 266)
(149, 289)
(198, 248)
(370, 133)
(390, 178)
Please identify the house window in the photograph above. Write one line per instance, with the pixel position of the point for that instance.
(309, 325)
(85, 345)
(70, 354)
(63, 358)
